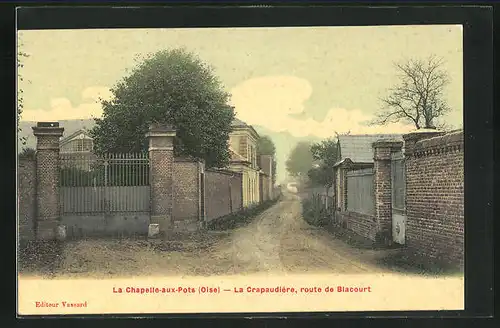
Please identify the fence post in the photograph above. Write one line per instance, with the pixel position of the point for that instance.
(47, 179)
(161, 158)
(383, 186)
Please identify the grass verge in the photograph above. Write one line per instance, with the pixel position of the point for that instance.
(406, 262)
(40, 256)
(240, 218)
(395, 257)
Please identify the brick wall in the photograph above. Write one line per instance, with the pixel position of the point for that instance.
(27, 198)
(264, 185)
(237, 192)
(47, 173)
(434, 201)
(48, 176)
(223, 193)
(186, 189)
(382, 188)
(363, 224)
(161, 160)
(266, 164)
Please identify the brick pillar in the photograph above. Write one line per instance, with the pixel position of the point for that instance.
(47, 181)
(161, 160)
(382, 150)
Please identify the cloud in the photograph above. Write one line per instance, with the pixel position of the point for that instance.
(96, 92)
(63, 109)
(268, 101)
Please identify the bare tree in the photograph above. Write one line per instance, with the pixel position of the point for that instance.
(419, 97)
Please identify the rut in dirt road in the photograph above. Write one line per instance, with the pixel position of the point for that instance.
(280, 241)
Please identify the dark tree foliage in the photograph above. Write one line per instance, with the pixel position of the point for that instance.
(300, 160)
(326, 154)
(169, 87)
(265, 146)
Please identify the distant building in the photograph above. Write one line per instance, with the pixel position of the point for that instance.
(356, 152)
(79, 141)
(243, 148)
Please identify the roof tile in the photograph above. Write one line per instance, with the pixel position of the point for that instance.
(358, 148)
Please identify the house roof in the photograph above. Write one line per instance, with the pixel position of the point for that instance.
(358, 147)
(70, 137)
(238, 122)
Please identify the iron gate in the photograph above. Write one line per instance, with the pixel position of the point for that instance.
(107, 194)
(398, 185)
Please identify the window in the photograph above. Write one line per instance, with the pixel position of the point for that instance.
(80, 145)
(254, 157)
(87, 144)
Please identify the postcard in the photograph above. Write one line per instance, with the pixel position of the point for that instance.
(240, 170)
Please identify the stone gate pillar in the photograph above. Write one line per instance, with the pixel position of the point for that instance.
(382, 150)
(161, 161)
(47, 181)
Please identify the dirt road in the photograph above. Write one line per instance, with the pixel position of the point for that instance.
(277, 241)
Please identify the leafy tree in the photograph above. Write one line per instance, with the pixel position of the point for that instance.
(300, 160)
(265, 146)
(169, 87)
(326, 153)
(419, 97)
(321, 175)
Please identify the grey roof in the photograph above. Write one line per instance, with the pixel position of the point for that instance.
(358, 147)
(238, 122)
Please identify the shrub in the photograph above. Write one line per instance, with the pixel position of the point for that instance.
(240, 218)
(314, 212)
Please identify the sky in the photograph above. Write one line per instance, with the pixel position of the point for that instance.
(293, 84)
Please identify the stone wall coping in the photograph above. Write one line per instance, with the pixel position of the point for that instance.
(47, 124)
(443, 140)
(155, 126)
(422, 134)
(224, 171)
(47, 131)
(161, 133)
(187, 159)
(387, 143)
(451, 141)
